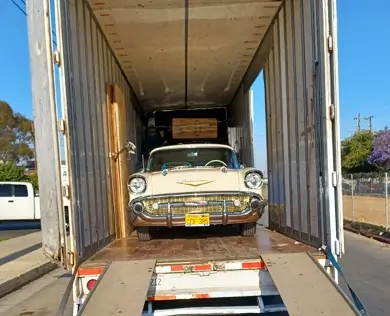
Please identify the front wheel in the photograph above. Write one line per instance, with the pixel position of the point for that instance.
(143, 234)
(248, 229)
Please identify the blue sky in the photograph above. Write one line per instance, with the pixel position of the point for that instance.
(364, 67)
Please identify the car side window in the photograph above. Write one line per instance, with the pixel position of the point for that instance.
(5, 190)
(20, 190)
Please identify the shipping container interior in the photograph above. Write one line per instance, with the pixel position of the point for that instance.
(121, 60)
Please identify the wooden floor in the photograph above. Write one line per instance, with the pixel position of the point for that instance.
(199, 245)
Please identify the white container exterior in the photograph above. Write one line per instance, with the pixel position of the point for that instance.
(302, 123)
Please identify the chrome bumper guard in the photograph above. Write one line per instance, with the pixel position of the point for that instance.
(257, 203)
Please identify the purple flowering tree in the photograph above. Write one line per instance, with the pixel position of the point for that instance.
(380, 155)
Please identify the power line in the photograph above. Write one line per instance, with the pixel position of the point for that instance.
(19, 7)
(25, 13)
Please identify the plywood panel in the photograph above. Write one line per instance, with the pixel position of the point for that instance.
(119, 163)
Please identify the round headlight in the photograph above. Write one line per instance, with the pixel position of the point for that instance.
(137, 185)
(253, 180)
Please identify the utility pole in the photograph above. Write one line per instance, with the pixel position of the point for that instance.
(369, 118)
(358, 118)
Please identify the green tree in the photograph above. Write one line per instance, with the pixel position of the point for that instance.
(355, 151)
(16, 135)
(33, 178)
(10, 172)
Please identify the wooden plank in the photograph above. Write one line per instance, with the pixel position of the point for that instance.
(191, 128)
(122, 289)
(119, 165)
(304, 288)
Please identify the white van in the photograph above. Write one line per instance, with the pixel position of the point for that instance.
(19, 201)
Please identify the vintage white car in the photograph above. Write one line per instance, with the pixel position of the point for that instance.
(195, 185)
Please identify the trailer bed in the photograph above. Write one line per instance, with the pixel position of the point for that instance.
(214, 243)
(290, 264)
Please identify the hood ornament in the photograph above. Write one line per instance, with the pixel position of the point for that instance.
(195, 183)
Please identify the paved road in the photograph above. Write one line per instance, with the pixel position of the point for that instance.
(366, 266)
(16, 229)
(40, 298)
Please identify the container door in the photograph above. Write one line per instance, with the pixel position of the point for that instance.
(302, 118)
(87, 67)
(46, 130)
(334, 131)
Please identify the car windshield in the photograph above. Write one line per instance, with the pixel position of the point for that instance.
(192, 158)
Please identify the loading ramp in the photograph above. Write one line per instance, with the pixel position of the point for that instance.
(305, 287)
(122, 289)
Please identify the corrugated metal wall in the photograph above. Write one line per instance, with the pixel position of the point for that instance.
(88, 65)
(241, 137)
(299, 127)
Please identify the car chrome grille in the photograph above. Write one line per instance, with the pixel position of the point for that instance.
(209, 204)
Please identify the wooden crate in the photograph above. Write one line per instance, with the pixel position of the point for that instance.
(187, 128)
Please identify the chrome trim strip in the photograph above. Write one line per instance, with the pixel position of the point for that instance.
(225, 214)
(169, 216)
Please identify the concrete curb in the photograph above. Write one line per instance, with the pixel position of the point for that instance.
(18, 281)
(368, 235)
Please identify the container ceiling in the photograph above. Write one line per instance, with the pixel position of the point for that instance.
(184, 52)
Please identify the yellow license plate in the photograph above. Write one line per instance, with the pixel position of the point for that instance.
(197, 220)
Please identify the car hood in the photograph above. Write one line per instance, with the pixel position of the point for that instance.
(193, 180)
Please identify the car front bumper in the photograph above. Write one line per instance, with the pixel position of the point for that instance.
(223, 208)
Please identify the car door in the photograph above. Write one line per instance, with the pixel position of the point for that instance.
(7, 205)
(23, 201)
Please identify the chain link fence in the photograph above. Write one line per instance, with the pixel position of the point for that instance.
(365, 198)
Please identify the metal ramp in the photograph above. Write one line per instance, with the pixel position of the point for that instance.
(305, 288)
(121, 290)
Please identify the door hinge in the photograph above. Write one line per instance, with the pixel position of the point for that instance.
(330, 43)
(62, 126)
(332, 110)
(71, 258)
(57, 58)
(334, 178)
(337, 247)
(66, 191)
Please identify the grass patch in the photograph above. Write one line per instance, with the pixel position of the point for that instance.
(378, 230)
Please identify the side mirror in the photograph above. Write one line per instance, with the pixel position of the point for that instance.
(242, 166)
